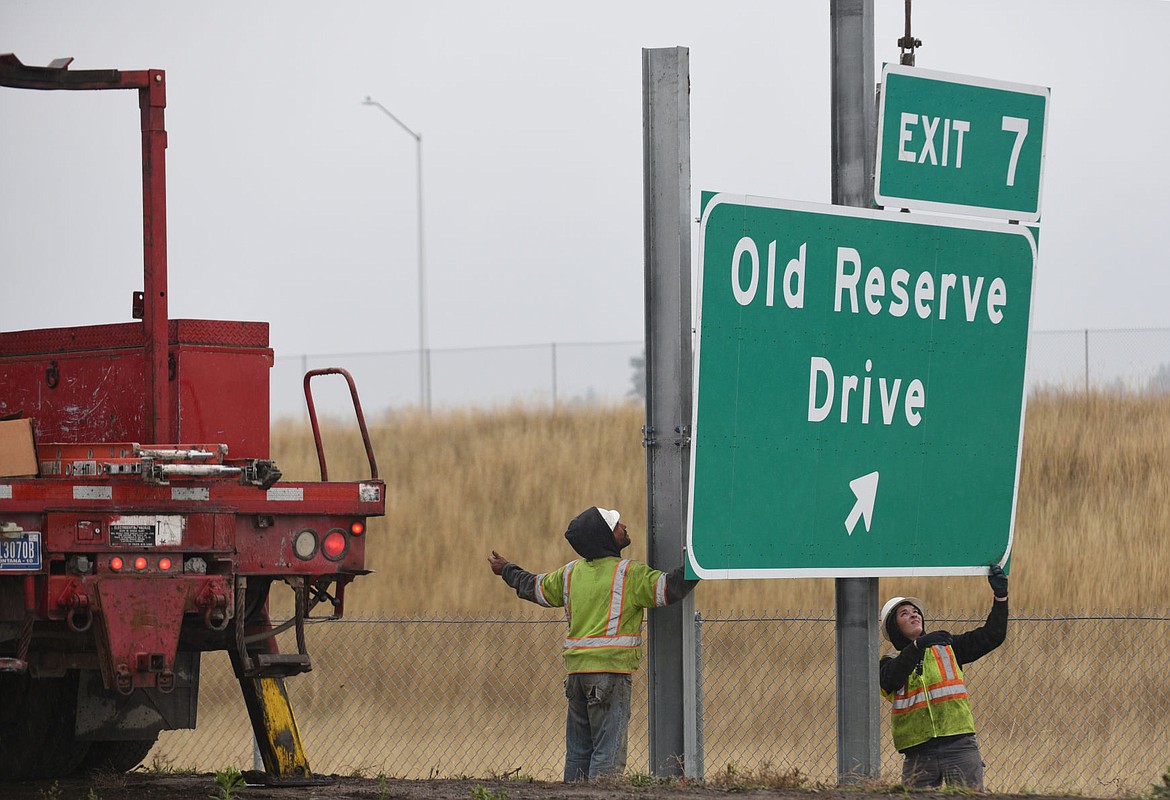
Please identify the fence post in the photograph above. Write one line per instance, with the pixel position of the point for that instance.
(1086, 363)
(427, 361)
(697, 767)
(553, 346)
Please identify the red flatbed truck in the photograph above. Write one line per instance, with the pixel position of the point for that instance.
(147, 524)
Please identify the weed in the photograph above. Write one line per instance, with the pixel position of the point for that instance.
(480, 793)
(383, 789)
(765, 776)
(161, 765)
(52, 793)
(93, 795)
(645, 779)
(862, 785)
(1159, 791)
(514, 775)
(107, 779)
(229, 780)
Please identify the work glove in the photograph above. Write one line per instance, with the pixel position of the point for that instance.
(932, 639)
(998, 581)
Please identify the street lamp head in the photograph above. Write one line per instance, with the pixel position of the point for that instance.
(369, 101)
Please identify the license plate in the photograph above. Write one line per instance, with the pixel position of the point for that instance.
(20, 553)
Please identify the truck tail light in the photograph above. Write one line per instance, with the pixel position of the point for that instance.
(335, 545)
(305, 544)
(116, 563)
(164, 564)
(140, 563)
(357, 527)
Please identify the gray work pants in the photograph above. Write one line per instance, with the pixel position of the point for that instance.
(597, 724)
(954, 760)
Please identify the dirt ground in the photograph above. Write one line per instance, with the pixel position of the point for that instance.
(138, 786)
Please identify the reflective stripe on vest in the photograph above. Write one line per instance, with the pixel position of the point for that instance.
(904, 703)
(660, 591)
(565, 590)
(617, 597)
(604, 641)
(538, 591)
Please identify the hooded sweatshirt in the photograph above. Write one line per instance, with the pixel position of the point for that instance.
(603, 596)
(590, 535)
(894, 670)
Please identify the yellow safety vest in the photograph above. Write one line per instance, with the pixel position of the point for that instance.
(931, 704)
(603, 601)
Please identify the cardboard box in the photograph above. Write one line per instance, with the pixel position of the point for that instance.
(18, 452)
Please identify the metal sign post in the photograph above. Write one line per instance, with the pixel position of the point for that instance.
(674, 747)
(851, 78)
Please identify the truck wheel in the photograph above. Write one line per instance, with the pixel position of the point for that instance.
(36, 727)
(21, 732)
(110, 756)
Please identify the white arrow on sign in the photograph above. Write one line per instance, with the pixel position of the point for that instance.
(865, 490)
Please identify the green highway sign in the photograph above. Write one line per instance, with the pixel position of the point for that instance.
(859, 391)
(960, 144)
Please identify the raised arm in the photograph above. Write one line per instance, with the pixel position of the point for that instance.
(526, 584)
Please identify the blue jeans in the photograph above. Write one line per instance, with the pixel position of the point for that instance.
(955, 760)
(597, 724)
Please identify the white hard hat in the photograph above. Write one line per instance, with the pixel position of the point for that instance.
(892, 604)
(611, 516)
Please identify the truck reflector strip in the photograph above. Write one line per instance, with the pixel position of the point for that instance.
(6, 491)
(200, 493)
(286, 493)
(369, 493)
(93, 493)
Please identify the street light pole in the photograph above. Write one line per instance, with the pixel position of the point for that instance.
(424, 377)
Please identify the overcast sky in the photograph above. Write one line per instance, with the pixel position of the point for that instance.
(291, 202)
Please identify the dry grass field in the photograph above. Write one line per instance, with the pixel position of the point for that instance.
(1093, 508)
(1094, 499)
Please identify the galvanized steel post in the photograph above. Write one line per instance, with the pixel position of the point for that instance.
(854, 136)
(667, 219)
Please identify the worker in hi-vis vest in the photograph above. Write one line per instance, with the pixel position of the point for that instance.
(603, 596)
(930, 716)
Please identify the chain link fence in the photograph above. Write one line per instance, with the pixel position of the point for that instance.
(1132, 361)
(555, 373)
(1068, 704)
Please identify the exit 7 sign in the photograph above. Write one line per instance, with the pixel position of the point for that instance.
(960, 144)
